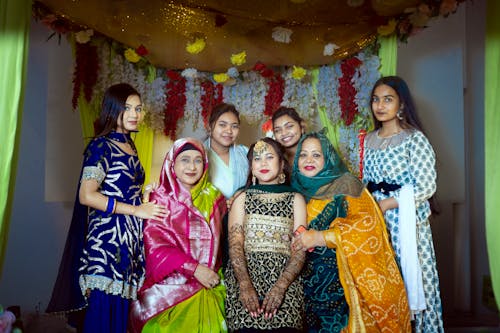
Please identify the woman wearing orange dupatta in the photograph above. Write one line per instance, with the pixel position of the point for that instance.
(350, 260)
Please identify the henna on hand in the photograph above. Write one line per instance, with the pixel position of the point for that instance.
(248, 295)
(275, 296)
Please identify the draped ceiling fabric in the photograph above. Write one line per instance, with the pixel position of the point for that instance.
(232, 26)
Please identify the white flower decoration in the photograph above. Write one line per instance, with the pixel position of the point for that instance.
(282, 35)
(190, 73)
(329, 49)
(233, 72)
(83, 36)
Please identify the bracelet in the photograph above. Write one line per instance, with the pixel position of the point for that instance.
(110, 207)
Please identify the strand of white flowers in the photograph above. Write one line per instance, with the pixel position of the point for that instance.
(349, 147)
(299, 95)
(327, 87)
(248, 96)
(192, 109)
(154, 102)
(363, 80)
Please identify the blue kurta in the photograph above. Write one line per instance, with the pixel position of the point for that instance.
(113, 257)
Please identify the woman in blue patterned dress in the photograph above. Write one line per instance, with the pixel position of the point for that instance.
(399, 169)
(110, 251)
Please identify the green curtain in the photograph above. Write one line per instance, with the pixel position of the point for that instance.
(14, 36)
(388, 54)
(492, 141)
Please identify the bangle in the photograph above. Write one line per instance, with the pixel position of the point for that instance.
(110, 207)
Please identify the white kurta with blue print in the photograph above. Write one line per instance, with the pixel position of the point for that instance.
(408, 158)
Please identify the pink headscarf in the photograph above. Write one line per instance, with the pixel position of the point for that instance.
(174, 246)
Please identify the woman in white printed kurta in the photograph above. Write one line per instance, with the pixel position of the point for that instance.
(398, 158)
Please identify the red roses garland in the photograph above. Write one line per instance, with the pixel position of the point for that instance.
(276, 89)
(211, 96)
(85, 73)
(347, 92)
(361, 137)
(176, 100)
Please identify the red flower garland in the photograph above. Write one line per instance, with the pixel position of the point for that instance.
(85, 72)
(176, 100)
(361, 137)
(276, 89)
(347, 92)
(211, 96)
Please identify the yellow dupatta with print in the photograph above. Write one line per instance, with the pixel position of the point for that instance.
(368, 271)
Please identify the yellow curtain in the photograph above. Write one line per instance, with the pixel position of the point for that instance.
(492, 141)
(388, 54)
(14, 37)
(144, 142)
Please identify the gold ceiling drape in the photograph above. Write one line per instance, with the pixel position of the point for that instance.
(232, 26)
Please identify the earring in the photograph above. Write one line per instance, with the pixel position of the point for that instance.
(399, 114)
(281, 178)
(254, 180)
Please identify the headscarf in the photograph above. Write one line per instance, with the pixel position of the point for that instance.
(175, 244)
(322, 185)
(202, 195)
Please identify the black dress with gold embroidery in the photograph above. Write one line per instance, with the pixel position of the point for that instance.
(268, 229)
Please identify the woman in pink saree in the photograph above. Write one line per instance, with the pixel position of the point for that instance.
(182, 291)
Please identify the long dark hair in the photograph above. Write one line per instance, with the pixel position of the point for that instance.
(280, 151)
(409, 111)
(410, 115)
(112, 107)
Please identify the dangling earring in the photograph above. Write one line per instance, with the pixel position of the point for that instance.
(399, 114)
(254, 180)
(281, 178)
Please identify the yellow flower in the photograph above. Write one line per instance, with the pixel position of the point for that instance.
(221, 78)
(239, 58)
(132, 56)
(196, 47)
(386, 30)
(298, 73)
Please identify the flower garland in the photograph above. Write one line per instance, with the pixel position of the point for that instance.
(276, 88)
(248, 96)
(176, 100)
(327, 87)
(85, 72)
(193, 107)
(361, 137)
(348, 107)
(299, 94)
(363, 81)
